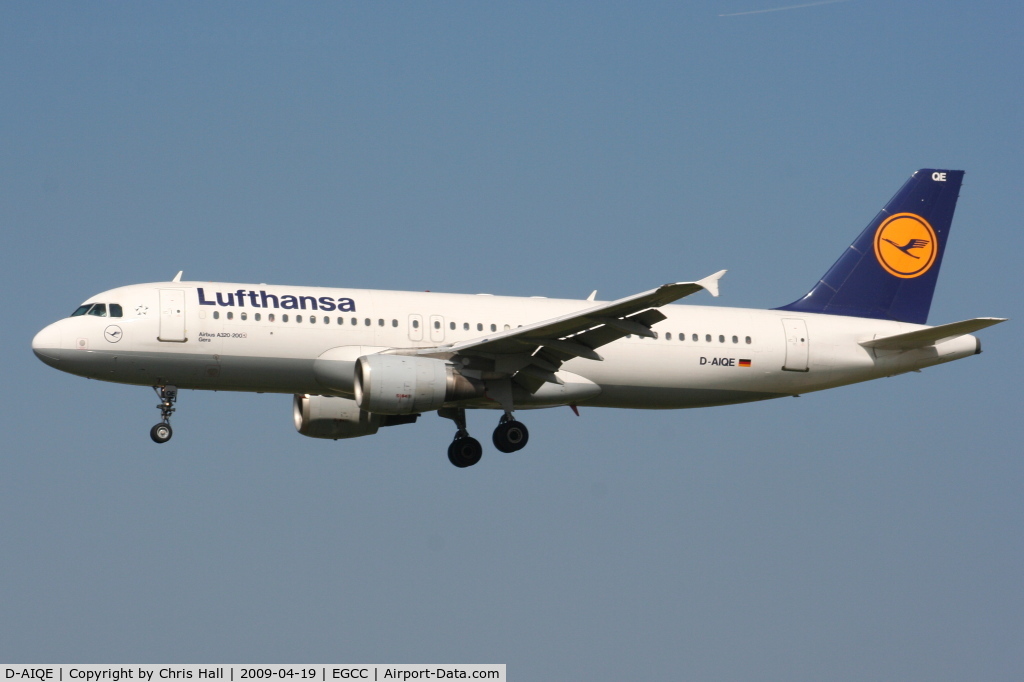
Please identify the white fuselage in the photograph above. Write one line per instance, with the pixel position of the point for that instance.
(236, 337)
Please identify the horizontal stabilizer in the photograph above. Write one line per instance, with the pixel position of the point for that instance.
(933, 335)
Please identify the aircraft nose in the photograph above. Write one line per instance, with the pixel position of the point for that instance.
(46, 345)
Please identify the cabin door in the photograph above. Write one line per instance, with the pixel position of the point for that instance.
(172, 315)
(797, 345)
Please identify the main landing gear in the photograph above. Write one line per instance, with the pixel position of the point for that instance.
(511, 435)
(161, 433)
(465, 451)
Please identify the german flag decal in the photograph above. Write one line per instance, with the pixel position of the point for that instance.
(744, 363)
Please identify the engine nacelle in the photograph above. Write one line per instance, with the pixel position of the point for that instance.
(403, 384)
(319, 416)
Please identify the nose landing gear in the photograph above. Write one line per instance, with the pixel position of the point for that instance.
(161, 433)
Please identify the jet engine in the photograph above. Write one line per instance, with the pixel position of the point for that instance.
(402, 384)
(319, 416)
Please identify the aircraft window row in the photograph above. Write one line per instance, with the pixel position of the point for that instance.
(708, 338)
(99, 310)
(312, 319)
(466, 327)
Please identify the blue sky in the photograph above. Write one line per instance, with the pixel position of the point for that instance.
(868, 532)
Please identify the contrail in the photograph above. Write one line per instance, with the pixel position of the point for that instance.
(782, 9)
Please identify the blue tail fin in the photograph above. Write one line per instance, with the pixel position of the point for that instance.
(890, 271)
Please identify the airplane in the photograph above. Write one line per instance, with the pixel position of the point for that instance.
(357, 360)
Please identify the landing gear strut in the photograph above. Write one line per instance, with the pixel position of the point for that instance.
(465, 451)
(511, 435)
(161, 433)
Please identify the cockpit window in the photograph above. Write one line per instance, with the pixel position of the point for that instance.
(98, 309)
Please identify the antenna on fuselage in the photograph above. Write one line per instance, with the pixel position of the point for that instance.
(177, 278)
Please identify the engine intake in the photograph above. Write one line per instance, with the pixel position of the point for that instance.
(401, 384)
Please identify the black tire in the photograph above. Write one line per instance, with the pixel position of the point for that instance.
(511, 436)
(465, 452)
(161, 433)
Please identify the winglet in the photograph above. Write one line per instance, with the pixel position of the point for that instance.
(711, 282)
(177, 278)
(593, 295)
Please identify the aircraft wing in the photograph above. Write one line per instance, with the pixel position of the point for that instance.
(932, 335)
(531, 354)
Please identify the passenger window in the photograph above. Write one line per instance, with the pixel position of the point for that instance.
(721, 338)
(99, 310)
(368, 323)
(270, 317)
(668, 336)
(82, 310)
(748, 339)
(284, 318)
(694, 337)
(216, 314)
(415, 324)
(312, 319)
(298, 318)
(451, 325)
(257, 317)
(244, 316)
(707, 338)
(341, 320)
(494, 327)
(437, 324)
(115, 310)
(479, 327)
(354, 321)
(465, 326)
(655, 335)
(735, 339)
(231, 315)
(394, 323)
(507, 327)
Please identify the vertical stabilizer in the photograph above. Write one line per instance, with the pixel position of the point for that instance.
(890, 271)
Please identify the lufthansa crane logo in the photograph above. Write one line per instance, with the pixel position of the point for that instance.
(906, 245)
(112, 333)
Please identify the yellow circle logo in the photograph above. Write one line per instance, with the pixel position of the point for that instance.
(906, 245)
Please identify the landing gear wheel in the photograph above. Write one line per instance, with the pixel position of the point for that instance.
(465, 452)
(161, 433)
(511, 436)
